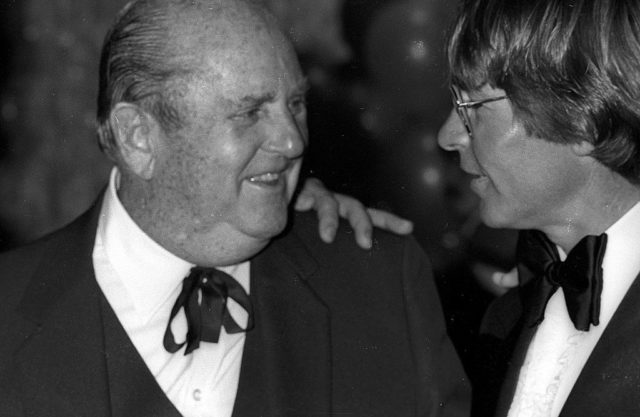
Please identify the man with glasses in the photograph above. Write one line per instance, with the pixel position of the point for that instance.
(546, 121)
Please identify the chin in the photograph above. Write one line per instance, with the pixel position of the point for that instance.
(495, 219)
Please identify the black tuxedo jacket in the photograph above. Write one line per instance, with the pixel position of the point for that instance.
(609, 384)
(339, 331)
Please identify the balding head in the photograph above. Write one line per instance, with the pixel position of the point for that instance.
(154, 43)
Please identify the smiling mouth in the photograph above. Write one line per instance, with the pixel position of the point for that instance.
(269, 178)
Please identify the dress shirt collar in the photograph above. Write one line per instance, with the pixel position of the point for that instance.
(621, 262)
(149, 272)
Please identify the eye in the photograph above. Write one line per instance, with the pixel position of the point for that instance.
(250, 115)
(298, 105)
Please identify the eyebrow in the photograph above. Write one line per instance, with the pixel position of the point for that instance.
(253, 100)
(303, 88)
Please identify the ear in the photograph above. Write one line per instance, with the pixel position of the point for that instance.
(583, 148)
(136, 133)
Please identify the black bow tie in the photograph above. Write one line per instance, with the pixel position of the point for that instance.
(580, 275)
(204, 299)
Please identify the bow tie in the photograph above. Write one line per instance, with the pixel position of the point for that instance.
(204, 299)
(579, 276)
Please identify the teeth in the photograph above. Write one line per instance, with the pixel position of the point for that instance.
(268, 177)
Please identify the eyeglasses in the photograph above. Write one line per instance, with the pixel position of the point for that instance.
(462, 106)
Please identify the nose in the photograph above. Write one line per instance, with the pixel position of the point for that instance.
(453, 136)
(289, 136)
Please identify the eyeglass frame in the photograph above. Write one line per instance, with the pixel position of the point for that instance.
(462, 106)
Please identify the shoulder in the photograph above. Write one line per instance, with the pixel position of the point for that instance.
(395, 267)
(385, 298)
(19, 266)
(387, 247)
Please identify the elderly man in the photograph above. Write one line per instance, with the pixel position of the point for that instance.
(178, 293)
(547, 123)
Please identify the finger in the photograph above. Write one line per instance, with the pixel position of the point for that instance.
(506, 279)
(312, 190)
(485, 275)
(303, 202)
(389, 221)
(358, 217)
(327, 211)
(315, 196)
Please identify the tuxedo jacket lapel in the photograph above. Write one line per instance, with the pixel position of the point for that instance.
(609, 383)
(510, 382)
(286, 366)
(514, 346)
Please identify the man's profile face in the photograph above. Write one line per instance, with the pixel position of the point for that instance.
(233, 166)
(523, 181)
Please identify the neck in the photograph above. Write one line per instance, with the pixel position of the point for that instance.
(599, 208)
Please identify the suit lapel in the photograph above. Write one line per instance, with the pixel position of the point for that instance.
(97, 370)
(605, 376)
(286, 366)
(609, 383)
(520, 338)
(510, 382)
(62, 303)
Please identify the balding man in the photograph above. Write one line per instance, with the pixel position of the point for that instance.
(187, 289)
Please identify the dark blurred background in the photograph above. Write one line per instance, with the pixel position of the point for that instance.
(379, 94)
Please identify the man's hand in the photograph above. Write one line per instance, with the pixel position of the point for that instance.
(330, 206)
(507, 279)
(493, 279)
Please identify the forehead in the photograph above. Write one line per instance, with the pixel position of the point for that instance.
(236, 52)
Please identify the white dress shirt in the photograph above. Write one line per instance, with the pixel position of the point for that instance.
(558, 351)
(141, 281)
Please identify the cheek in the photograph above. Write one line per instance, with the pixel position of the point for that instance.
(217, 153)
(198, 177)
(536, 180)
